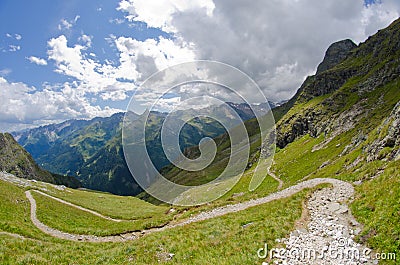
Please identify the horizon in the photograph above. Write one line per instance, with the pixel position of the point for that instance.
(64, 66)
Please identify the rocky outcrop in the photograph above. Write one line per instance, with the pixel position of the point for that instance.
(388, 143)
(335, 54)
(354, 74)
(16, 160)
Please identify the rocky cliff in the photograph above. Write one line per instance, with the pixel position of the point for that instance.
(343, 93)
(16, 160)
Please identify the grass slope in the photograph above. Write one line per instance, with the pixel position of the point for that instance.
(223, 240)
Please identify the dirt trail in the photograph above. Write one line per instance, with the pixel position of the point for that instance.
(79, 207)
(12, 235)
(67, 236)
(339, 185)
(272, 174)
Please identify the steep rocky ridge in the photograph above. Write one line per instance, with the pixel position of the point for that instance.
(335, 54)
(336, 98)
(16, 160)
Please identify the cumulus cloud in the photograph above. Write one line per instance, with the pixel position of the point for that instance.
(277, 43)
(140, 59)
(159, 14)
(37, 60)
(137, 61)
(23, 106)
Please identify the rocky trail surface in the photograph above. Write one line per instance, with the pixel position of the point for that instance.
(330, 225)
(328, 237)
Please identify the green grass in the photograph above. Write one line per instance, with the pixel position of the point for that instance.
(15, 211)
(221, 240)
(69, 219)
(377, 206)
(120, 207)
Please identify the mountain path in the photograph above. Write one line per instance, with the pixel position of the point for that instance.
(328, 236)
(12, 235)
(272, 174)
(217, 212)
(78, 207)
(67, 236)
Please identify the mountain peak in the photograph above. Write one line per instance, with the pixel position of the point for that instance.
(335, 54)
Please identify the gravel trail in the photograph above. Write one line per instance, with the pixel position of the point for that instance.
(79, 207)
(67, 236)
(338, 185)
(328, 238)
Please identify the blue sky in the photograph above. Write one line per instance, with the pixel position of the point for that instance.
(80, 59)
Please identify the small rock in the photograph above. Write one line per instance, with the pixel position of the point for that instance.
(357, 182)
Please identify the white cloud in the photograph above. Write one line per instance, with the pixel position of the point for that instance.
(5, 71)
(159, 13)
(14, 48)
(23, 106)
(37, 60)
(87, 40)
(277, 43)
(64, 24)
(67, 24)
(140, 59)
(14, 36)
(91, 76)
(377, 16)
(137, 61)
(117, 21)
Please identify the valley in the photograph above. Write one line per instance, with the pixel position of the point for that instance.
(336, 175)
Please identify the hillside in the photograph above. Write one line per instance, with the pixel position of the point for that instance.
(347, 89)
(354, 88)
(91, 150)
(343, 123)
(335, 177)
(16, 160)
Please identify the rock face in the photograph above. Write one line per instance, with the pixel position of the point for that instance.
(16, 160)
(335, 54)
(342, 90)
(389, 137)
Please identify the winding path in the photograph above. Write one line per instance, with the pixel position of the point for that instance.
(79, 207)
(67, 236)
(338, 184)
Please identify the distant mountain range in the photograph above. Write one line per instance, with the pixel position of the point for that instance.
(354, 89)
(91, 150)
